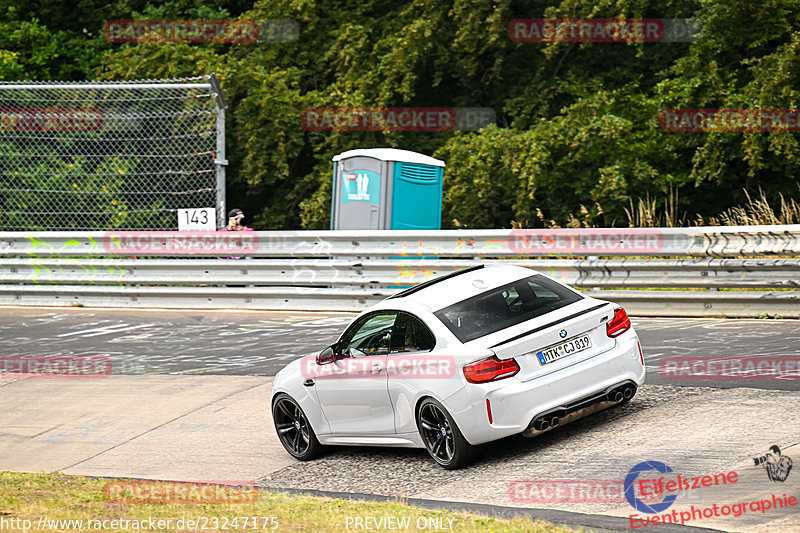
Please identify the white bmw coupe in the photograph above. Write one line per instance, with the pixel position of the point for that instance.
(458, 361)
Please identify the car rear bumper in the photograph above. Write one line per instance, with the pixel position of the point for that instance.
(569, 412)
(573, 391)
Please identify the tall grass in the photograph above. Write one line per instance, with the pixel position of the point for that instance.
(758, 211)
(648, 213)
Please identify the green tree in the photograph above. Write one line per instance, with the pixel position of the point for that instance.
(578, 132)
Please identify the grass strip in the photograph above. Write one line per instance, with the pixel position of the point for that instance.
(59, 502)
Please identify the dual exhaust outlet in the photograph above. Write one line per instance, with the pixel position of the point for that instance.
(543, 423)
(567, 413)
(624, 392)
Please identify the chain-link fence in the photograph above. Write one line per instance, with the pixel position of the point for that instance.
(109, 155)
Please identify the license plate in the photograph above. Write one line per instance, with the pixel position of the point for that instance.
(557, 351)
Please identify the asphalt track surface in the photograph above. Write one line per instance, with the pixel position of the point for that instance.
(187, 395)
(247, 343)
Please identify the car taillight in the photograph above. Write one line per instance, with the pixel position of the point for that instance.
(619, 324)
(490, 369)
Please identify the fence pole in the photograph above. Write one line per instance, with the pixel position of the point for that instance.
(220, 158)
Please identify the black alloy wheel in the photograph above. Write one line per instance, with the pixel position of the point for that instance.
(294, 431)
(441, 436)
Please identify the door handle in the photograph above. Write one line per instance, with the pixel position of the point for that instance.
(376, 368)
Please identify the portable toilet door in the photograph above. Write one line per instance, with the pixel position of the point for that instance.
(416, 196)
(359, 193)
(386, 188)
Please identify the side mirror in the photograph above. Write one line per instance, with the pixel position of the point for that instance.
(327, 356)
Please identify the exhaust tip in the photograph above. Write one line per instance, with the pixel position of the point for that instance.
(554, 421)
(628, 393)
(618, 397)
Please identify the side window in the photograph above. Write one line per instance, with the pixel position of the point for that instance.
(411, 335)
(370, 336)
(542, 292)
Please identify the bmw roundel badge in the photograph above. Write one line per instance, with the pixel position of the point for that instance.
(562, 333)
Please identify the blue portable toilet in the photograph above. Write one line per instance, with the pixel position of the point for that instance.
(386, 188)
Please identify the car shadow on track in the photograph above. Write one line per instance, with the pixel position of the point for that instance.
(406, 472)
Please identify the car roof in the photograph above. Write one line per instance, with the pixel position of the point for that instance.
(447, 290)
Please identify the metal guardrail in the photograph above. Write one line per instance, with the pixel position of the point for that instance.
(714, 241)
(328, 270)
(587, 273)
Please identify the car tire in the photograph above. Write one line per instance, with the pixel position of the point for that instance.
(441, 436)
(295, 433)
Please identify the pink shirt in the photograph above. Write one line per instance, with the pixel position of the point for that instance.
(244, 228)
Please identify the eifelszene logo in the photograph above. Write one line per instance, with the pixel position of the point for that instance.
(637, 503)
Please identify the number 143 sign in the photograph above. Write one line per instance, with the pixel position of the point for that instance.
(198, 219)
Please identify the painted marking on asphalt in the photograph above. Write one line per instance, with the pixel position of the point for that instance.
(105, 330)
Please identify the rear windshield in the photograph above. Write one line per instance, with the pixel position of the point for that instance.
(505, 306)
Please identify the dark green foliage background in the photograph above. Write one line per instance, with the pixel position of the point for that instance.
(577, 133)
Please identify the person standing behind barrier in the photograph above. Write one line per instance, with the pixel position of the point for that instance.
(235, 217)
